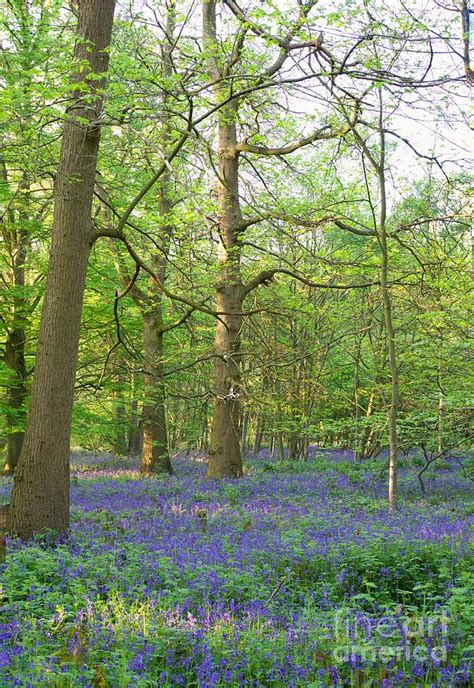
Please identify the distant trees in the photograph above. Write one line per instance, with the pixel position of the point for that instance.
(270, 265)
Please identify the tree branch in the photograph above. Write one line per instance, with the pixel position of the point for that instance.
(325, 133)
(266, 277)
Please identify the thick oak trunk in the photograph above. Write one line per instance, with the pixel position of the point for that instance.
(224, 446)
(225, 458)
(40, 497)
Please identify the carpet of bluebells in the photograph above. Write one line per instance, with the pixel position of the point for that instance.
(293, 576)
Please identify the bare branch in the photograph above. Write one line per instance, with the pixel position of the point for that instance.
(326, 132)
(266, 277)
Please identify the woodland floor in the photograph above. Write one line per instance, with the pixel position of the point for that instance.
(293, 576)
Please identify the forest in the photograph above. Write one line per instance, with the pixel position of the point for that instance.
(236, 389)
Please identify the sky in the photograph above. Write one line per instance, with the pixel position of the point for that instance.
(435, 121)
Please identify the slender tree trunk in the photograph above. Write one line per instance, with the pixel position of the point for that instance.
(259, 427)
(135, 430)
(293, 453)
(16, 395)
(155, 453)
(16, 237)
(304, 448)
(357, 434)
(281, 448)
(368, 431)
(119, 439)
(440, 421)
(245, 419)
(204, 444)
(120, 445)
(389, 329)
(224, 446)
(155, 457)
(439, 377)
(40, 497)
(394, 401)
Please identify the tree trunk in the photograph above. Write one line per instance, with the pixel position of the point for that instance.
(281, 448)
(155, 453)
(16, 395)
(155, 457)
(40, 497)
(135, 430)
(390, 334)
(293, 453)
(393, 411)
(225, 458)
(14, 357)
(259, 427)
(120, 446)
(244, 428)
(357, 433)
(304, 448)
(17, 238)
(440, 421)
(203, 443)
(368, 434)
(224, 447)
(119, 440)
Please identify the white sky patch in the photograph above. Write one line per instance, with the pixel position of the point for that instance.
(435, 121)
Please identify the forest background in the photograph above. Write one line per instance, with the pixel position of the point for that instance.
(280, 251)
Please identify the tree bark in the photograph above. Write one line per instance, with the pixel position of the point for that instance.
(243, 431)
(120, 439)
(258, 439)
(135, 423)
(40, 497)
(15, 345)
(155, 452)
(379, 166)
(224, 445)
(281, 447)
(17, 239)
(203, 443)
(357, 433)
(389, 330)
(293, 450)
(225, 458)
(16, 395)
(155, 457)
(393, 410)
